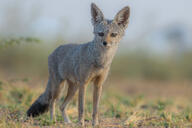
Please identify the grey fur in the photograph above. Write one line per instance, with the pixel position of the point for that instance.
(79, 64)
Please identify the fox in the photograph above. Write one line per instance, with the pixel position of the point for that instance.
(81, 64)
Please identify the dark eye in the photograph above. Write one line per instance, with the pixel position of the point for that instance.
(113, 34)
(101, 34)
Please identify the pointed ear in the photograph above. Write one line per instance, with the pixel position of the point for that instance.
(97, 15)
(122, 17)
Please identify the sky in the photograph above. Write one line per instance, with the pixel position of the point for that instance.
(71, 19)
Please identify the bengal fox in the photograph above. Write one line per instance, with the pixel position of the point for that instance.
(80, 64)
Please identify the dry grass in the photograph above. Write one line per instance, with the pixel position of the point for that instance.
(125, 103)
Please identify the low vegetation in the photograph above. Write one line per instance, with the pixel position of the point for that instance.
(120, 107)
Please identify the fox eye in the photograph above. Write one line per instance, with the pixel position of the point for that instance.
(101, 34)
(113, 34)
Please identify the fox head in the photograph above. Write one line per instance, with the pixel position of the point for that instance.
(108, 33)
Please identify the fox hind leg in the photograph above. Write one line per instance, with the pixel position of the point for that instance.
(72, 89)
(54, 89)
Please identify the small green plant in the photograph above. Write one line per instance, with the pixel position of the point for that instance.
(6, 42)
(1, 85)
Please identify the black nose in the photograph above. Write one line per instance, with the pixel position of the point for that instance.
(104, 43)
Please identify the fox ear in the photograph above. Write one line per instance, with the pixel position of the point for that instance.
(122, 17)
(97, 15)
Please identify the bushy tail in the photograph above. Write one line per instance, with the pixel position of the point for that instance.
(40, 106)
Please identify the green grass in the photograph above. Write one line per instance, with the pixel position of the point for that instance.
(117, 109)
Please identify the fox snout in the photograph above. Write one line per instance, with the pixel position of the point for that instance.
(108, 40)
(108, 44)
(105, 43)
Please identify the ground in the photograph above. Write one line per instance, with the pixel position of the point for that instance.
(124, 104)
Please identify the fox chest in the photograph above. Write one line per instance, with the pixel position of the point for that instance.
(91, 72)
(83, 73)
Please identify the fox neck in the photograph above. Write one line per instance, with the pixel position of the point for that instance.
(102, 56)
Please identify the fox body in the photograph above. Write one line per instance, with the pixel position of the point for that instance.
(80, 64)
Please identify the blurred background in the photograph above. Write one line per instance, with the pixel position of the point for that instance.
(156, 47)
(150, 81)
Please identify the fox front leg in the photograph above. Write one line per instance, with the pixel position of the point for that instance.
(96, 99)
(98, 83)
(81, 103)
